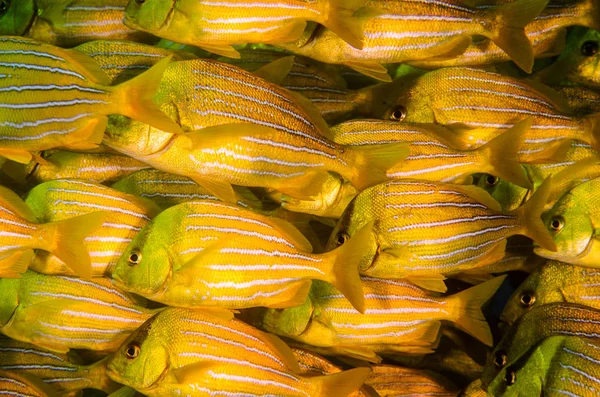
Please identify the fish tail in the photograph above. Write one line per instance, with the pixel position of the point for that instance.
(530, 215)
(339, 18)
(65, 240)
(373, 163)
(466, 306)
(340, 384)
(134, 98)
(15, 264)
(346, 261)
(593, 121)
(553, 153)
(98, 378)
(502, 154)
(505, 25)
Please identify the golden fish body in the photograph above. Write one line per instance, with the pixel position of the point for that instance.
(428, 229)
(125, 215)
(197, 353)
(19, 384)
(390, 380)
(583, 100)
(55, 369)
(59, 313)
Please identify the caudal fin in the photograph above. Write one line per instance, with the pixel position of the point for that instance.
(15, 264)
(346, 260)
(530, 215)
(134, 98)
(502, 154)
(373, 163)
(65, 239)
(339, 17)
(505, 26)
(99, 379)
(466, 309)
(340, 384)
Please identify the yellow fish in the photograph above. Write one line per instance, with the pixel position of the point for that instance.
(418, 30)
(21, 231)
(51, 97)
(233, 258)
(19, 384)
(425, 230)
(196, 353)
(227, 22)
(391, 380)
(124, 217)
(583, 100)
(59, 313)
(16, 17)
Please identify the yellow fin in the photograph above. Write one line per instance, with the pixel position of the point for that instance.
(12, 202)
(192, 373)
(502, 154)
(93, 133)
(68, 236)
(90, 68)
(466, 309)
(480, 195)
(375, 162)
(19, 156)
(449, 49)
(124, 391)
(221, 189)
(15, 264)
(282, 351)
(150, 207)
(340, 384)
(218, 312)
(297, 295)
(530, 215)
(358, 352)
(292, 233)
(565, 178)
(340, 19)
(313, 114)
(134, 98)
(305, 187)
(371, 69)
(432, 282)
(556, 98)
(274, 72)
(223, 50)
(553, 153)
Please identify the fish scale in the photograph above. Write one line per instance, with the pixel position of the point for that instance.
(17, 384)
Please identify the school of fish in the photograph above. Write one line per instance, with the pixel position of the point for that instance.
(298, 198)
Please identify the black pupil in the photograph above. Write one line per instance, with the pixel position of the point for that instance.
(398, 114)
(131, 351)
(134, 257)
(510, 377)
(140, 1)
(500, 359)
(4, 4)
(491, 180)
(555, 224)
(341, 239)
(526, 299)
(589, 48)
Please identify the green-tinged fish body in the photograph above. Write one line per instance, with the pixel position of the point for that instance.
(398, 315)
(167, 190)
(516, 258)
(473, 389)
(567, 319)
(554, 282)
(410, 31)
(59, 313)
(208, 253)
(55, 369)
(391, 381)
(431, 152)
(198, 353)
(280, 146)
(427, 229)
(123, 60)
(546, 33)
(16, 17)
(21, 232)
(18, 384)
(51, 97)
(71, 22)
(125, 215)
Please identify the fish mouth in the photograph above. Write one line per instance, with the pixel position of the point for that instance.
(556, 256)
(117, 377)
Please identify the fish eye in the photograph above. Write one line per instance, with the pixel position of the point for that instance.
(134, 258)
(4, 4)
(557, 223)
(342, 238)
(140, 2)
(500, 359)
(132, 351)
(510, 377)
(398, 114)
(491, 180)
(527, 299)
(589, 48)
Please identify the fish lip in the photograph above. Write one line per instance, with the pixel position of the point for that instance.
(582, 254)
(116, 376)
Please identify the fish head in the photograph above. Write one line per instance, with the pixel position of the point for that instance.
(509, 195)
(571, 227)
(142, 360)
(523, 299)
(9, 296)
(395, 101)
(583, 57)
(134, 138)
(148, 15)
(290, 322)
(16, 16)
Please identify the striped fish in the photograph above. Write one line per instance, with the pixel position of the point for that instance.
(196, 353)
(390, 380)
(17, 384)
(232, 258)
(431, 152)
(69, 23)
(123, 60)
(125, 216)
(17, 17)
(474, 389)
(417, 30)
(551, 283)
(229, 22)
(581, 99)
(55, 369)
(51, 97)
(21, 230)
(429, 229)
(167, 190)
(279, 146)
(559, 319)
(546, 33)
(59, 313)
(398, 313)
